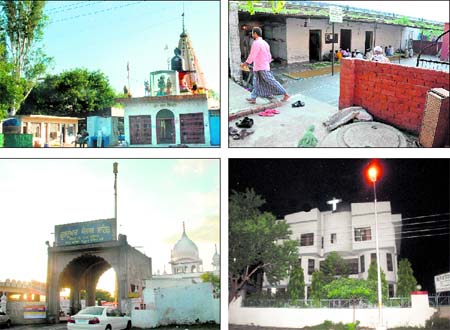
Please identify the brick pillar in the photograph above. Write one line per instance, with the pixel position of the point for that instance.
(234, 54)
(347, 82)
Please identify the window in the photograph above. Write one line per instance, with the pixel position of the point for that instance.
(311, 265)
(373, 258)
(333, 238)
(391, 290)
(352, 265)
(322, 242)
(363, 234)
(389, 262)
(361, 261)
(307, 239)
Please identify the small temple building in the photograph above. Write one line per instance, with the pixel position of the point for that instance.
(174, 111)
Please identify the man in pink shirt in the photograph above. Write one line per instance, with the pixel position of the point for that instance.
(264, 84)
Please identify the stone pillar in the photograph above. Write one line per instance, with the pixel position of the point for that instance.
(91, 284)
(75, 302)
(47, 133)
(52, 291)
(234, 54)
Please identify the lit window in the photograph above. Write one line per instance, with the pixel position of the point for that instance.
(363, 234)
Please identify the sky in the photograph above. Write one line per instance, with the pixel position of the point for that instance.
(105, 35)
(431, 10)
(154, 198)
(415, 187)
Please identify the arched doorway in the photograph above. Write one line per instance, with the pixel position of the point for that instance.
(81, 276)
(165, 127)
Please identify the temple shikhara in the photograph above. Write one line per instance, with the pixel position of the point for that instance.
(175, 110)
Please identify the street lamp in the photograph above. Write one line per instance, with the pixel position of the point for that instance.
(373, 173)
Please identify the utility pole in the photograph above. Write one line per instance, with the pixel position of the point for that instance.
(115, 171)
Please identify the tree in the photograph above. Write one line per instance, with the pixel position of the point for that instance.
(349, 288)
(100, 295)
(277, 5)
(257, 242)
(317, 285)
(406, 282)
(21, 30)
(71, 93)
(333, 266)
(296, 285)
(372, 278)
(209, 277)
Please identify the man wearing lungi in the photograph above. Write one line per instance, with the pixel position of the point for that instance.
(264, 84)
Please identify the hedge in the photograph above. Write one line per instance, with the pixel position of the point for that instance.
(18, 140)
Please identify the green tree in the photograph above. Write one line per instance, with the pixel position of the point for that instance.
(257, 241)
(277, 5)
(209, 277)
(72, 93)
(317, 285)
(21, 31)
(372, 278)
(406, 282)
(296, 285)
(333, 266)
(103, 295)
(349, 288)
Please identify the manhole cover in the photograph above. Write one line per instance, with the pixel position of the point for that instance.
(365, 135)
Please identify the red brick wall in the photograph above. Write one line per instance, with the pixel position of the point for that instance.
(392, 93)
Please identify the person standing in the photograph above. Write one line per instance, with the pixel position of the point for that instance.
(264, 84)
(378, 55)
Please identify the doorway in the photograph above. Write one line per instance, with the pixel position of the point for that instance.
(165, 127)
(369, 41)
(315, 45)
(346, 39)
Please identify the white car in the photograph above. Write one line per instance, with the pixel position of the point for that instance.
(4, 319)
(99, 318)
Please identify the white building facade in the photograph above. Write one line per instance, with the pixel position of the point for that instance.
(349, 231)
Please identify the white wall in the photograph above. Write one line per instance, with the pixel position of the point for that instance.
(297, 36)
(416, 315)
(177, 107)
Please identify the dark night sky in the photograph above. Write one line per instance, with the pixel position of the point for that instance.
(415, 187)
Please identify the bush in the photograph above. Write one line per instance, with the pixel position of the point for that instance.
(1, 140)
(18, 140)
(438, 323)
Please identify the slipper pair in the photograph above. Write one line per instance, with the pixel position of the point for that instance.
(250, 100)
(239, 135)
(245, 123)
(298, 104)
(269, 113)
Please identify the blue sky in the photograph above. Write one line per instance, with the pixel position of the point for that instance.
(105, 35)
(154, 198)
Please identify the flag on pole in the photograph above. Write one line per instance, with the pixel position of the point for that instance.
(128, 66)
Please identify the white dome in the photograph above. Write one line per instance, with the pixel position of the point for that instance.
(185, 250)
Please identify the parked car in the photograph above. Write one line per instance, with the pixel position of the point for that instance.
(4, 320)
(99, 318)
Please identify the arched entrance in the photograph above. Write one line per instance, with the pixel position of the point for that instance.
(79, 267)
(82, 273)
(165, 127)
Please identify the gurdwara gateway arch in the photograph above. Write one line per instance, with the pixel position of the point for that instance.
(81, 253)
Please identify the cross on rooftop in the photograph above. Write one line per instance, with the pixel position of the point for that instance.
(334, 202)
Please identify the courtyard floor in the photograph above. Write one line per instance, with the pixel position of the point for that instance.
(320, 94)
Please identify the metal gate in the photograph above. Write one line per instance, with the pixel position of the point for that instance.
(140, 129)
(192, 128)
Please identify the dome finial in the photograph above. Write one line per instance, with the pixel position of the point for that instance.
(215, 247)
(184, 229)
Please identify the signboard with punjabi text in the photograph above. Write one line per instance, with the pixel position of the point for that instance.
(336, 14)
(88, 232)
(442, 282)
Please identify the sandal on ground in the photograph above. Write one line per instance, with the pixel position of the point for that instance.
(266, 114)
(232, 131)
(274, 111)
(298, 104)
(250, 100)
(245, 132)
(245, 123)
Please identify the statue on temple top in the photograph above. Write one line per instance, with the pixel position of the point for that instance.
(168, 86)
(161, 86)
(177, 61)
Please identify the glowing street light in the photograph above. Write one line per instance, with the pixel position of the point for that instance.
(373, 173)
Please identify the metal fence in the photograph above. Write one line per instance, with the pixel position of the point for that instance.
(323, 303)
(436, 301)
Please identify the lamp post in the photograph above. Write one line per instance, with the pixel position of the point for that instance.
(373, 172)
(115, 171)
